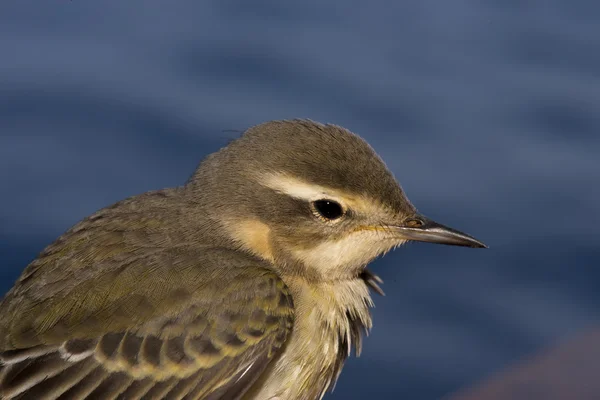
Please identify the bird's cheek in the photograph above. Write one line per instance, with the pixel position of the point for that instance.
(254, 236)
(336, 258)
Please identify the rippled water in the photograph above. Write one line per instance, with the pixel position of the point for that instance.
(486, 111)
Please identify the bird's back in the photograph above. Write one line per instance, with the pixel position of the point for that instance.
(151, 315)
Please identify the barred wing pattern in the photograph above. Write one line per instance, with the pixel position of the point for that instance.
(215, 346)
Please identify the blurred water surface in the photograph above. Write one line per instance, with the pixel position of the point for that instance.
(486, 111)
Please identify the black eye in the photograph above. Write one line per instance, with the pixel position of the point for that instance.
(328, 209)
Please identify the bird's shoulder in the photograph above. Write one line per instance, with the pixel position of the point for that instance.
(126, 264)
(153, 316)
(120, 292)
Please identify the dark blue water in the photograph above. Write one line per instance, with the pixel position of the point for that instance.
(486, 111)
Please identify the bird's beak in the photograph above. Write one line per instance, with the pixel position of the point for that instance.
(422, 229)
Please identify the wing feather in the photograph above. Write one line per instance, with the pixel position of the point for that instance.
(218, 332)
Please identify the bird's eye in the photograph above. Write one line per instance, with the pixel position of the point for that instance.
(328, 209)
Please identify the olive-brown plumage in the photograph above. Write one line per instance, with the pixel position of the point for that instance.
(249, 282)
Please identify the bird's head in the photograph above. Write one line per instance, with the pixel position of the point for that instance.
(314, 199)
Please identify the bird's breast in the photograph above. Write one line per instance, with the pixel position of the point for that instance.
(330, 318)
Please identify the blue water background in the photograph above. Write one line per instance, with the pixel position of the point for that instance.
(486, 111)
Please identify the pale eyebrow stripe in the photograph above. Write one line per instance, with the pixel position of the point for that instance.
(297, 188)
(300, 189)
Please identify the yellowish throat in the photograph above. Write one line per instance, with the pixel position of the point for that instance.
(248, 282)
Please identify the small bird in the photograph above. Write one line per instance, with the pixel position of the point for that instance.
(248, 282)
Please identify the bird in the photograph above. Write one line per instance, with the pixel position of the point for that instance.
(249, 281)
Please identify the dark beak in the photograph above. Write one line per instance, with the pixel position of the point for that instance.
(423, 229)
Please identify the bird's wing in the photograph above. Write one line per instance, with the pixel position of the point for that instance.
(170, 325)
